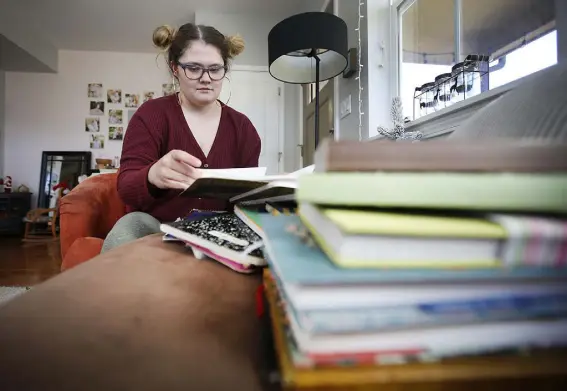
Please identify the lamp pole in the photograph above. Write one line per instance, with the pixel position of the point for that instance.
(317, 65)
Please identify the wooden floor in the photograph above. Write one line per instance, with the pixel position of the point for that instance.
(27, 264)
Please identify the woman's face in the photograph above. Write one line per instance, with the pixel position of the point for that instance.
(200, 88)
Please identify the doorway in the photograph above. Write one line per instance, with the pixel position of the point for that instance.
(326, 118)
(258, 95)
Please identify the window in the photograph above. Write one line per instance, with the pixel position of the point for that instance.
(532, 57)
(518, 36)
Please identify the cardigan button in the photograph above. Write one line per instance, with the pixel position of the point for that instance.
(206, 165)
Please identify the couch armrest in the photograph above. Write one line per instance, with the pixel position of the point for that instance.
(90, 210)
(76, 225)
(81, 251)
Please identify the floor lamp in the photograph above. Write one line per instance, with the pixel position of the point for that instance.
(308, 48)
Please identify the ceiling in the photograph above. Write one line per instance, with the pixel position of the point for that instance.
(487, 26)
(127, 25)
(14, 58)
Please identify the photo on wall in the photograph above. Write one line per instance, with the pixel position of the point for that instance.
(167, 89)
(92, 125)
(148, 95)
(116, 133)
(131, 100)
(97, 141)
(115, 117)
(95, 90)
(114, 96)
(97, 108)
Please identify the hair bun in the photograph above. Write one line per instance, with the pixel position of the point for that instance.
(163, 37)
(235, 45)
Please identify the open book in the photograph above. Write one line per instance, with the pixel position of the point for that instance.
(240, 184)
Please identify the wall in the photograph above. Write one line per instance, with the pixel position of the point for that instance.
(349, 126)
(252, 28)
(2, 104)
(46, 112)
(381, 66)
(561, 23)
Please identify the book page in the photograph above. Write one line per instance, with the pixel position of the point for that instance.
(302, 171)
(250, 173)
(253, 174)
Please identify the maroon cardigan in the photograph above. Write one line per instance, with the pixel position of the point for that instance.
(158, 127)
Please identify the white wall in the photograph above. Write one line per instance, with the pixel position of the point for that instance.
(46, 112)
(349, 126)
(381, 65)
(252, 28)
(2, 104)
(378, 60)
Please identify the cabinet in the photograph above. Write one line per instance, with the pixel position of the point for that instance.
(13, 209)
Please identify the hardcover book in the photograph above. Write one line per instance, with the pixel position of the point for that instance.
(493, 191)
(442, 155)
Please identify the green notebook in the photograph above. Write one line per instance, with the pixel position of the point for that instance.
(457, 191)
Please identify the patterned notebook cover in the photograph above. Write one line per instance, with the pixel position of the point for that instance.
(224, 234)
(195, 214)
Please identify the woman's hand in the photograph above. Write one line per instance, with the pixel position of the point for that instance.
(176, 170)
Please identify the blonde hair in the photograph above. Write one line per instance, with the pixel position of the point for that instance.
(235, 45)
(163, 37)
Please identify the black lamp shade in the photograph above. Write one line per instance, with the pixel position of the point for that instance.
(293, 41)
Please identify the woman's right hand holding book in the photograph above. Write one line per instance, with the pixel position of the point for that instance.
(175, 170)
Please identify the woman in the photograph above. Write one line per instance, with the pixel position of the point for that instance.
(170, 139)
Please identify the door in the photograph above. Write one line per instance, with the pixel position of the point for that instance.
(325, 118)
(257, 95)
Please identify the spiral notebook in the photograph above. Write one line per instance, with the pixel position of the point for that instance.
(224, 238)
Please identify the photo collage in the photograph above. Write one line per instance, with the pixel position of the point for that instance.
(115, 108)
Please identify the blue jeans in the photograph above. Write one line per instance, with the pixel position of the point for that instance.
(130, 227)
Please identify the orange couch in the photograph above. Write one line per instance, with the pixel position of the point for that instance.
(87, 214)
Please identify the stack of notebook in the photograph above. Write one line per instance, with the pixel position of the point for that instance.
(234, 239)
(420, 251)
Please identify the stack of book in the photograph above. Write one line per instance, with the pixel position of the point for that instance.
(418, 252)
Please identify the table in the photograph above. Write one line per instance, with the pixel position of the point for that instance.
(13, 209)
(144, 316)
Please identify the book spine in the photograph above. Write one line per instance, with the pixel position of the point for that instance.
(532, 241)
(446, 156)
(432, 314)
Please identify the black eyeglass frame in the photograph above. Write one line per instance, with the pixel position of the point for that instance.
(203, 70)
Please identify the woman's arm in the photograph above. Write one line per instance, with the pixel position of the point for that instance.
(141, 149)
(251, 145)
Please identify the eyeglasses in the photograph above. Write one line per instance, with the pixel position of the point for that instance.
(196, 72)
